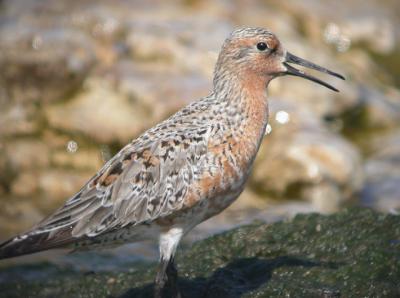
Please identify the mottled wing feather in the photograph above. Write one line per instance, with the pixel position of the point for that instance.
(144, 181)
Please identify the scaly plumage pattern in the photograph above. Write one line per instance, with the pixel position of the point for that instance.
(180, 172)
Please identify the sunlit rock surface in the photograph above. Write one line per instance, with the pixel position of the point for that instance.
(40, 65)
(382, 189)
(354, 253)
(301, 158)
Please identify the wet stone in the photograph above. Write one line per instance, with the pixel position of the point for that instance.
(308, 256)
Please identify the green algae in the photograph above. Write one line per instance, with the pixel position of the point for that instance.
(354, 253)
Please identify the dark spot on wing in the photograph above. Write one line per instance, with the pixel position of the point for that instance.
(202, 132)
(128, 156)
(116, 169)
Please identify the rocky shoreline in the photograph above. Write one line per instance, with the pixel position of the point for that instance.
(354, 253)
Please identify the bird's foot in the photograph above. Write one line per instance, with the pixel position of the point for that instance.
(172, 282)
(166, 282)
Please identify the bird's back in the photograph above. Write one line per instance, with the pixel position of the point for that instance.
(155, 181)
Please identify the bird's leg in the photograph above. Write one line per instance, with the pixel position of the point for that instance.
(172, 276)
(161, 279)
(166, 280)
(167, 275)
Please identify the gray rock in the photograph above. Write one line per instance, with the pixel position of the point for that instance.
(99, 112)
(26, 154)
(25, 184)
(119, 106)
(17, 215)
(18, 119)
(188, 44)
(57, 185)
(42, 65)
(317, 99)
(302, 159)
(18, 160)
(382, 109)
(83, 159)
(371, 23)
(382, 170)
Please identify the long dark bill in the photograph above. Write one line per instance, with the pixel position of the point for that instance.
(290, 70)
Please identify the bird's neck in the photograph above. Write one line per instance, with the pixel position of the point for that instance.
(243, 100)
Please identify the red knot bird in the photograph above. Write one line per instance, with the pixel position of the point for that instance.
(182, 171)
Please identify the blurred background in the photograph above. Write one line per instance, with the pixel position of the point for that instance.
(80, 79)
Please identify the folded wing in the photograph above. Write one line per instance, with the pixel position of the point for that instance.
(146, 180)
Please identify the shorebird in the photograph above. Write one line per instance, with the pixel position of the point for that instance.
(182, 171)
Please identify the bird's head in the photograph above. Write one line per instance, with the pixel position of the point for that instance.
(258, 53)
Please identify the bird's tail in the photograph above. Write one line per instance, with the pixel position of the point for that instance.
(32, 242)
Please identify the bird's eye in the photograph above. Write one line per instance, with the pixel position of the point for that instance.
(262, 46)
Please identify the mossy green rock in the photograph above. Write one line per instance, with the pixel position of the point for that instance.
(354, 253)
